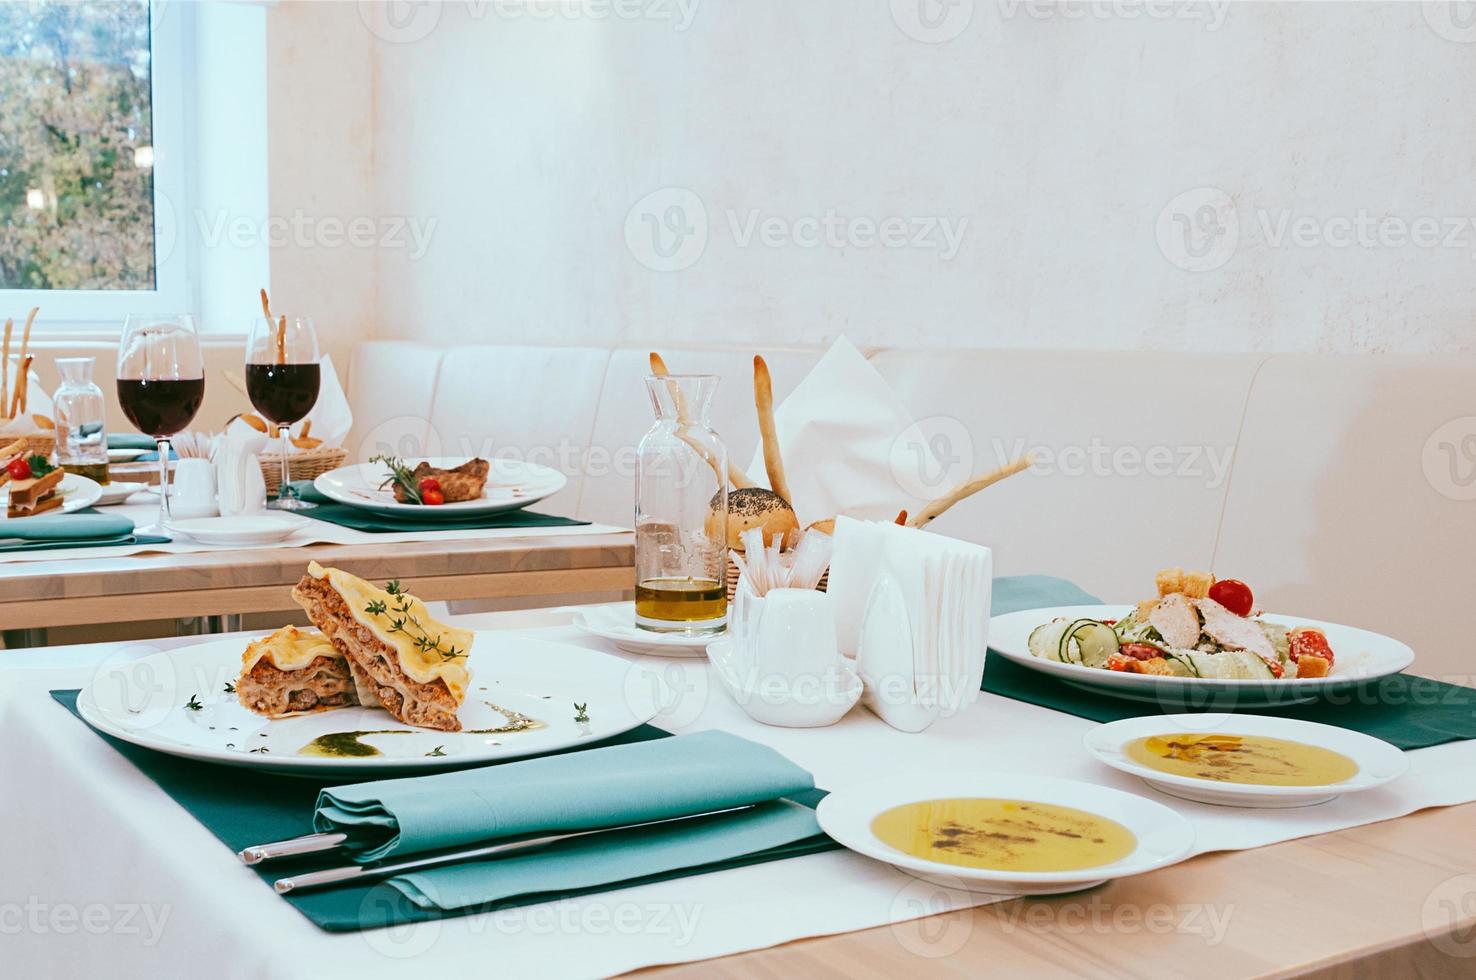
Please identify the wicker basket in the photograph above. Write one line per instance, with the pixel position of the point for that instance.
(41, 442)
(734, 574)
(306, 465)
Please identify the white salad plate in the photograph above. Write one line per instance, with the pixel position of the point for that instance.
(511, 485)
(1163, 836)
(1360, 655)
(176, 702)
(1378, 761)
(616, 623)
(117, 493)
(78, 492)
(239, 531)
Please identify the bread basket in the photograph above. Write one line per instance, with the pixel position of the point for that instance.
(306, 465)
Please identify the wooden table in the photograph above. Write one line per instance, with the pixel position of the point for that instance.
(36, 595)
(1391, 899)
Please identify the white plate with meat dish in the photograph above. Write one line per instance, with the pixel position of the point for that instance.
(1207, 647)
(378, 687)
(466, 487)
(153, 702)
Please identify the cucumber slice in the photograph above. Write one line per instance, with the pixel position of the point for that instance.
(1095, 642)
(1068, 651)
(1045, 640)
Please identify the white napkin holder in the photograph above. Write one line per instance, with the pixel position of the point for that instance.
(240, 486)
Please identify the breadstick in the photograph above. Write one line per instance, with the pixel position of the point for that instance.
(266, 308)
(20, 385)
(736, 477)
(763, 401)
(282, 339)
(968, 489)
(5, 371)
(901, 517)
(25, 358)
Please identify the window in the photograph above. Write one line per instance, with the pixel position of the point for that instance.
(92, 160)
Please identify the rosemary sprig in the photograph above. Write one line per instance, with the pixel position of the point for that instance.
(436, 752)
(194, 703)
(581, 714)
(400, 475)
(402, 619)
(230, 687)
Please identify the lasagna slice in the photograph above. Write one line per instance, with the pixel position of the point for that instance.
(294, 671)
(412, 665)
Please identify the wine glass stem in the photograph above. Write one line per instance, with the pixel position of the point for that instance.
(164, 513)
(285, 493)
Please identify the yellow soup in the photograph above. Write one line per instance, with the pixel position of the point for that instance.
(1241, 759)
(1004, 835)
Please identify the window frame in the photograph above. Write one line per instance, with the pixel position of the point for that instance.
(174, 289)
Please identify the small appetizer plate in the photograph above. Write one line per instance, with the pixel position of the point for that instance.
(525, 699)
(1160, 836)
(1378, 762)
(616, 623)
(241, 531)
(117, 493)
(78, 492)
(809, 702)
(126, 455)
(511, 485)
(1362, 655)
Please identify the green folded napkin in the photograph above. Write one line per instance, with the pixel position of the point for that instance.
(66, 527)
(622, 784)
(365, 520)
(615, 856)
(130, 440)
(1404, 710)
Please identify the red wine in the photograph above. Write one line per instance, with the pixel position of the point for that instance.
(284, 393)
(161, 408)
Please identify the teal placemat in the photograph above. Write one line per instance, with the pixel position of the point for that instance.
(1403, 710)
(363, 520)
(242, 807)
(88, 543)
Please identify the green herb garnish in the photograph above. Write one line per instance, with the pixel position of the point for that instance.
(230, 687)
(400, 475)
(402, 619)
(580, 713)
(194, 703)
(436, 752)
(39, 466)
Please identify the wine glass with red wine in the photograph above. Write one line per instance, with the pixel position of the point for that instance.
(161, 383)
(282, 379)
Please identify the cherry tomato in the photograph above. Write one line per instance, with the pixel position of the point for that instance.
(428, 484)
(1234, 595)
(1140, 651)
(19, 469)
(432, 497)
(1305, 641)
(1276, 669)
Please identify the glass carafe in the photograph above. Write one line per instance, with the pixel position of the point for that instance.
(681, 516)
(81, 420)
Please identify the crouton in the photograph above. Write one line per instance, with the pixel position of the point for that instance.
(1169, 580)
(1158, 665)
(1145, 609)
(1310, 666)
(1196, 585)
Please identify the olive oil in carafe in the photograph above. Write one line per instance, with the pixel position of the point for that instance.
(680, 602)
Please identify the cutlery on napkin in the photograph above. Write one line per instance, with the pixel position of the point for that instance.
(64, 527)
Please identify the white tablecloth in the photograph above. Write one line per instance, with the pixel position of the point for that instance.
(311, 532)
(102, 874)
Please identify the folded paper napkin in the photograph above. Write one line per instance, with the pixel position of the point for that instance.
(914, 607)
(66, 527)
(37, 402)
(621, 784)
(848, 443)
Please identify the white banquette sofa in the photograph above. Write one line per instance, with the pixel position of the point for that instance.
(1339, 487)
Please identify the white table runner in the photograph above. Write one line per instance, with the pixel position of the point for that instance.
(311, 532)
(96, 834)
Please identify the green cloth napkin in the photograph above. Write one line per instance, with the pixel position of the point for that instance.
(66, 527)
(616, 856)
(131, 440)
(245, 806)
(622, 784)
(364, 520)
(1404, 710)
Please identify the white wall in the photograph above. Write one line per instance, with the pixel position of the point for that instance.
(1065, 136)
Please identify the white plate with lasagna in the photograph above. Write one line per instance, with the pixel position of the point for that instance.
(509, 485)
(1361, 655)
(526, 697)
